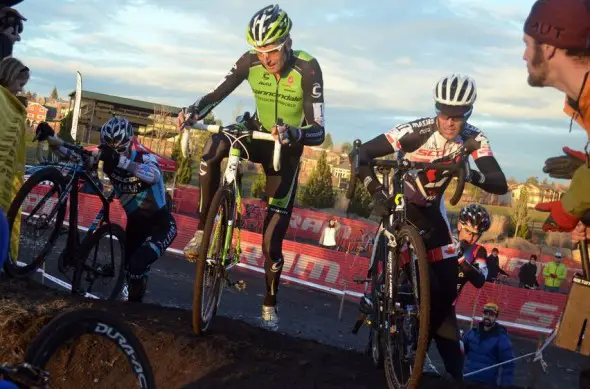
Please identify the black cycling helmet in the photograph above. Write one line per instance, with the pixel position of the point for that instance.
(475, 216)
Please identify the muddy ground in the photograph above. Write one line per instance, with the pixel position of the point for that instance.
(233, 355)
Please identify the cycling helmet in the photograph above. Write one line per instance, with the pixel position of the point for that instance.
(117, 133)
(492, 307)
(454, 95)
(476, 216)
(269, 25)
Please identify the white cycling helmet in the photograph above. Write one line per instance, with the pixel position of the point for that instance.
(454, 95)
(117, 133)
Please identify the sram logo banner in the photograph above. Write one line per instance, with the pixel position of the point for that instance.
(525, 311)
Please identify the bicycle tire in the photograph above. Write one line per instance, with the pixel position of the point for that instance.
(74, 324)
(54, 176)
(375, 338)
(222, 199)
(424, 311)
(86, 248)
(4, 238)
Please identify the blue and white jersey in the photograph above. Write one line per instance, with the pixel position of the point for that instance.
(142, 190)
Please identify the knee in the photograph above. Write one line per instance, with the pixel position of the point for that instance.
(213, 151)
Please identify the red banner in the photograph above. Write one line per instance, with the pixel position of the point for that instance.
(524, 310)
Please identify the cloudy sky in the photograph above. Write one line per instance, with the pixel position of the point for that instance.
(380, 60)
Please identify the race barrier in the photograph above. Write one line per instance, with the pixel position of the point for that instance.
(523, 311)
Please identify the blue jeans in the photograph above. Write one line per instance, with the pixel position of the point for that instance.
(552, 289)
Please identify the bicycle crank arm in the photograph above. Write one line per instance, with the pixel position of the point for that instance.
(359, 323)
(239, 285)
(360, 280)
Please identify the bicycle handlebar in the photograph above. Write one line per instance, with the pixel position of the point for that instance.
(258, 135)
(457, 168)
(56, 141)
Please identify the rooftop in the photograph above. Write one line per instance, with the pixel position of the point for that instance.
(146, 105)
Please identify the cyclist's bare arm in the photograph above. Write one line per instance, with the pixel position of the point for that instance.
(237, 74)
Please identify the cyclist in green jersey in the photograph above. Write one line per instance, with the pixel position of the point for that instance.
(287, 85)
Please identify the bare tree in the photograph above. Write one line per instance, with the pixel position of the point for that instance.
(160, 120)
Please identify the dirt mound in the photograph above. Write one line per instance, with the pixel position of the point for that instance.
(233, 355)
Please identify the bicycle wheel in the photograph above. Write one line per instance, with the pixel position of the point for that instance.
(46, 186)
(377, 287)
(89, 269)
(71, 326)
(407, 313)
(210, 272)
(4, 238)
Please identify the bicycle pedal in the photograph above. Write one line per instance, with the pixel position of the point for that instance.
(359, 280)
(239, 285)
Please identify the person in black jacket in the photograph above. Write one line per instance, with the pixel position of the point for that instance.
(493, 263)
(11, 26)
(528, 274)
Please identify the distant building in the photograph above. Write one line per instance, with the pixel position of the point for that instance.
(97, 108)
(537, 193)
(36, 113)
(338, 162)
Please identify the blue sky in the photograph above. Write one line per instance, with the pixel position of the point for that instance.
(380, 61)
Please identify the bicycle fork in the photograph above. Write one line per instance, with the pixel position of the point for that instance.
(371, 304)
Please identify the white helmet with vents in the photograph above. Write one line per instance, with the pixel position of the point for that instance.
(117, 133)
(454, 95)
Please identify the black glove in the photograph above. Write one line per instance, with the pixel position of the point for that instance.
(465, 266)
(475, 177)
(564, 166)
(109, 157)
(43, 131)
(382, 203)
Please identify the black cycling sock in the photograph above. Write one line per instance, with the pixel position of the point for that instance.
(270, 300)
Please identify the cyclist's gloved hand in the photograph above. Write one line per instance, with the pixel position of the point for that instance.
(110, 158)
(475, 177)
(564, 166)
(382, 203)
(559, 219)
(190, 114)
(288, 134)
(43, 131)
(464, 265)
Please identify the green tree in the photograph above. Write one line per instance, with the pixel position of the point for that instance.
(54, 95)
(346, 147)
(259, 186)
(532, 181)
(318, 192)
(520, 218)
(184, 171)
(65, 127)
(328, 144)
(361, 201)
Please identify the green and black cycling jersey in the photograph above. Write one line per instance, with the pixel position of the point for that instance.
(297, 97)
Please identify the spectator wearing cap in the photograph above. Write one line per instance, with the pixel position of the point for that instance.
(528, 274)
(487, 345)
(554, 273)
(11, 26)
(557, 54)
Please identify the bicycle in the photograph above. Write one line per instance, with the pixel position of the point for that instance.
(224, 215)
(68, 327)
(399, 303)
(60, 181)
